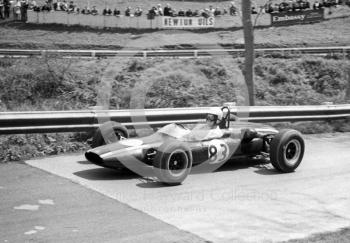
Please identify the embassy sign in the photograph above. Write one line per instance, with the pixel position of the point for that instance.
(187, 22)
(298, 17)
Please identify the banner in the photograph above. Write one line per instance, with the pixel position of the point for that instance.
(187, 22)
(297, 17)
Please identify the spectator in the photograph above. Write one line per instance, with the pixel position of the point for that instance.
(116, 12)
(283, 7)
(24, 9)
(107, 11)
(290, 5)
(49, 2)
(46, 7)
(189, 13)
(317, 5)
(181, 13)
(2, 9)
(32, 4)
(58, 5)
(196, 13)
(71, 7)
(94, 11)
(205, 13)
(159, 10)
(167, 10)
(173, 12)
(85, 10)
(128, 11)
(63, 6)
(7, 6)
(275, 7)
(254, 10)
(138, 12)
(306, 4)
(211, 10)
(217, 12)
(233, 9)
(17, 10)
(262, 9)
(269, 8)
(295, 5)
(151, 13)
(326, 3)
(54, 5)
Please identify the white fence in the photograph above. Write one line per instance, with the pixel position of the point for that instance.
(100, 21)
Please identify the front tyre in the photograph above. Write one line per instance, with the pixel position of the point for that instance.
(172, 163)
(287, 150)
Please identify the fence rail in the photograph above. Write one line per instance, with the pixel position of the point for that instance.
(88, 120)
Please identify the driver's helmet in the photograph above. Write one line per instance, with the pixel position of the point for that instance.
(215, 115)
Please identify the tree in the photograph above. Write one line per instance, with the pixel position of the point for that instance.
(249, 50)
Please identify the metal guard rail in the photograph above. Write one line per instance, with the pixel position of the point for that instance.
(88, 120)
(344, 50)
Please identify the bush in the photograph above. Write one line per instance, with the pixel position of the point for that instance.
(303, 81)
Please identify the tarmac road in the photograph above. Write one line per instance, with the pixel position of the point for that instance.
(243, 201)
(36, 206)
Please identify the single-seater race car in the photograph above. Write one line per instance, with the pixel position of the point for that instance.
(174, 150)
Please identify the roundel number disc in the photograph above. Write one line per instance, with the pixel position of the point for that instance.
(218, 151)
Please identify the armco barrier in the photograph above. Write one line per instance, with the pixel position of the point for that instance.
(342, 50)
(88, 120)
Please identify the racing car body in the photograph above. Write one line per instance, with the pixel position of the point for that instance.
(174, 150)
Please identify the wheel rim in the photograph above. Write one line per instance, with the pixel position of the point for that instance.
(177, 163)
(120, 135)
(292, 151)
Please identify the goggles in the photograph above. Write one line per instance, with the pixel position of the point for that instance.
(211, 117)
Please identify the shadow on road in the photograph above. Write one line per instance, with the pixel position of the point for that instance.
(241, 163)
(266, 169)
(263, 168)
(84, 162)
(106, 174)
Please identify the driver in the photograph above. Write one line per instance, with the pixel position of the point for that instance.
(211, 127)
(213, 120)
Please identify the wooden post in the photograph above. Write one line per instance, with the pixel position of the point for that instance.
(249, 49)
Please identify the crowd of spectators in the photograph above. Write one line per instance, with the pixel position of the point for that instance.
(21, 6)
(18, 8)
(168, 10)
(300, 5)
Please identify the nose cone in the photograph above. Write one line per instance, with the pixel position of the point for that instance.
(108, 155)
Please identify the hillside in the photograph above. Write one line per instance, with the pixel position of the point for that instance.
(60, 84)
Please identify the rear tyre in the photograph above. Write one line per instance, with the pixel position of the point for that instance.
(287, 150)
(172, 163)
(109, 132)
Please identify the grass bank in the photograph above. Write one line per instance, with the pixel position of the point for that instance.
(60, 84)
(332, 32)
